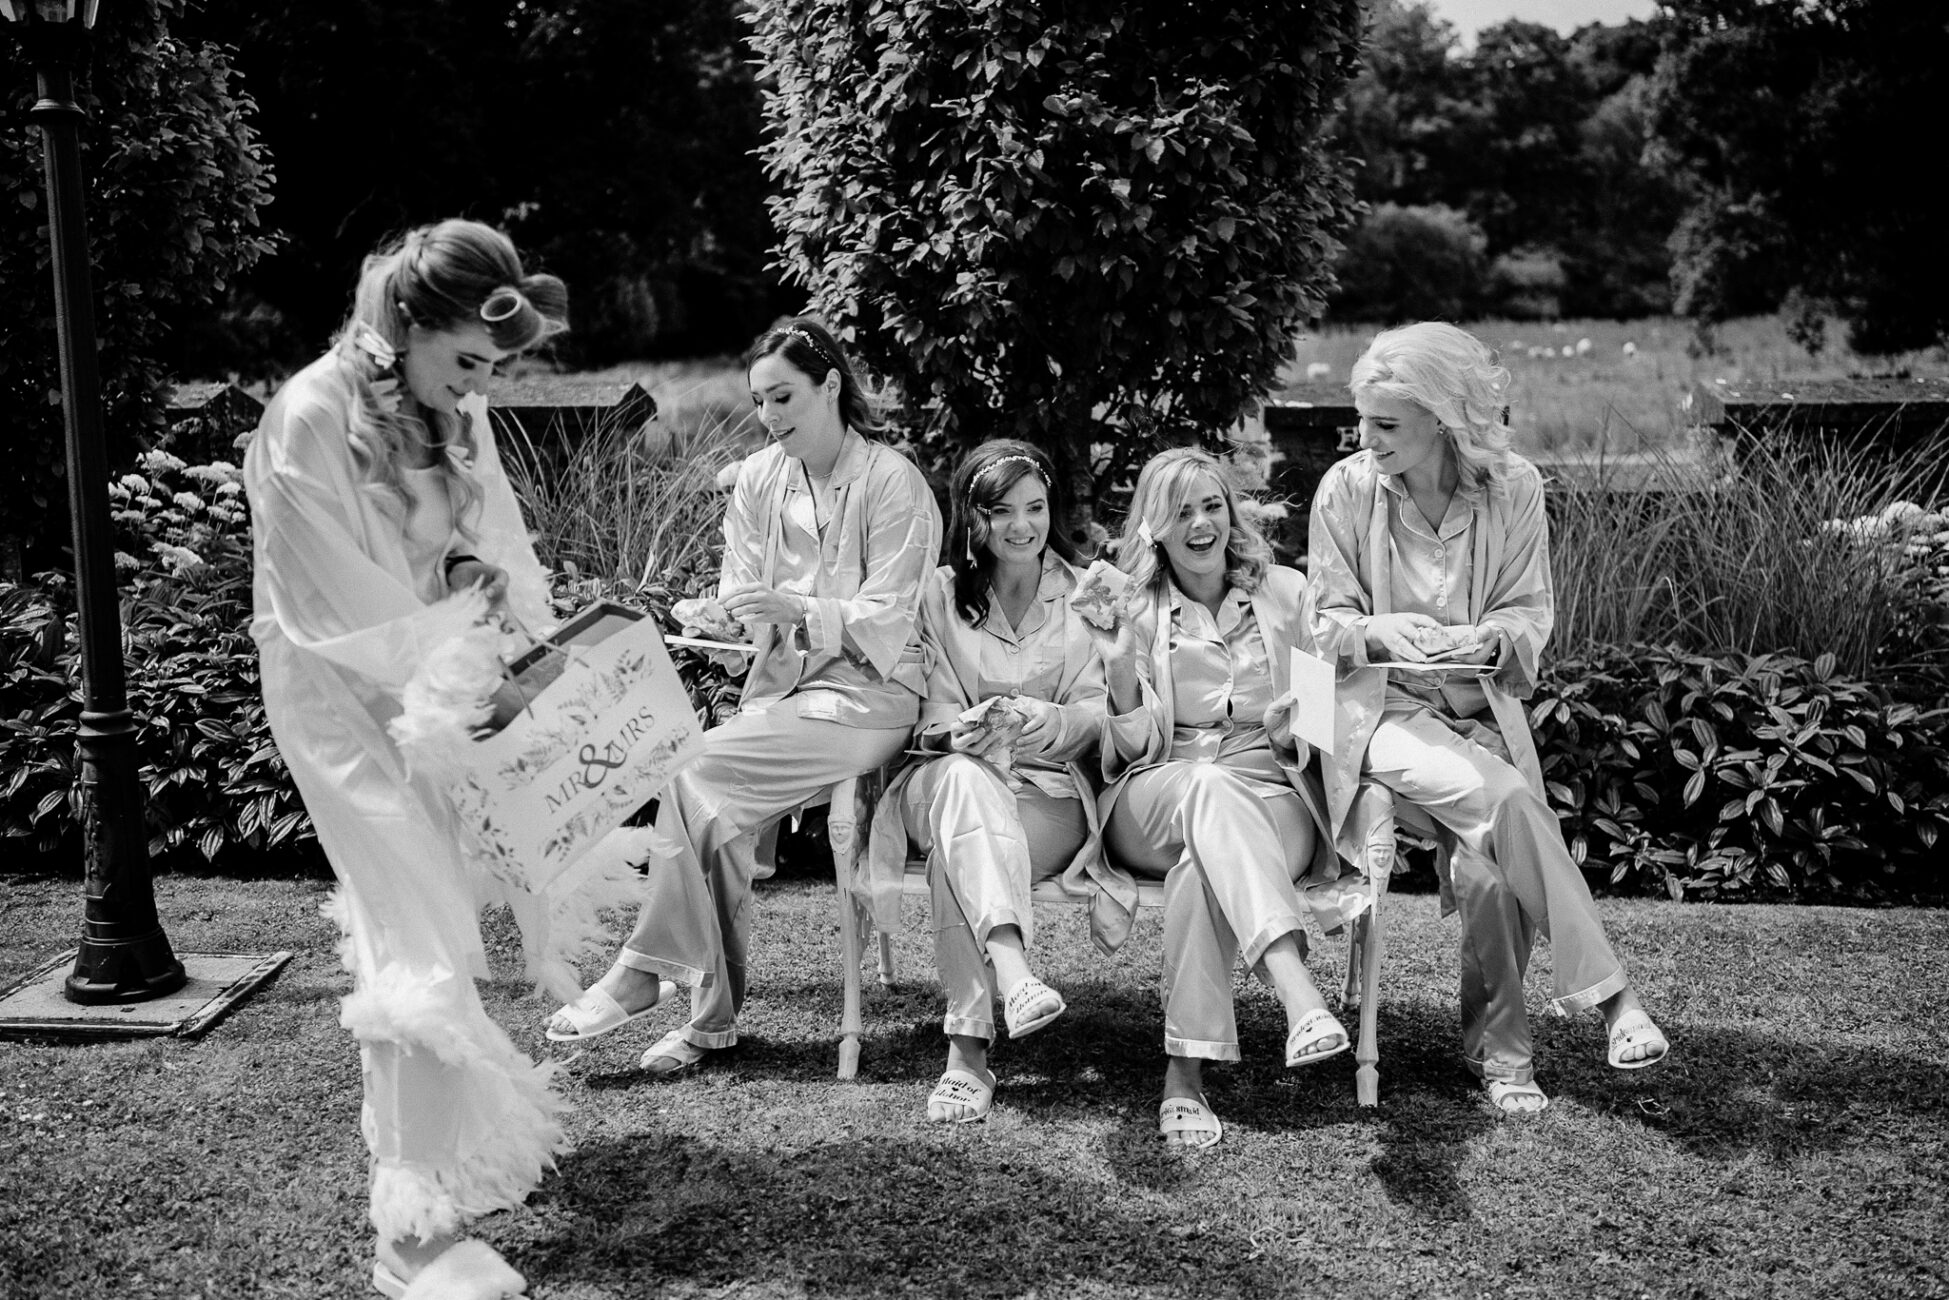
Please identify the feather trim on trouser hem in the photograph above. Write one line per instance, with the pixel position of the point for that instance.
(488, 1127)
(493, 1123)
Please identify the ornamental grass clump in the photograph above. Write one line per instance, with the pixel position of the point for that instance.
(636, 504)
(1737, 556)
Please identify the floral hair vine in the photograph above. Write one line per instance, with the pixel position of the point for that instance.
(371, 342)
(974, 480)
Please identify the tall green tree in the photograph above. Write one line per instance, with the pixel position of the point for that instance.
(176, 177)
(1805, 134)
(639, 176)
(615, 142)
(1075, 221)
(1537, 139)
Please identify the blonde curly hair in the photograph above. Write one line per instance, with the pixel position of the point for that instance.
(1163, 487)
(1450, 373)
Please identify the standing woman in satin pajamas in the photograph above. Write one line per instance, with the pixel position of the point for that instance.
(828, 539)
(1209, 788)
(996, 622)
(1435, 524)
(376, 491)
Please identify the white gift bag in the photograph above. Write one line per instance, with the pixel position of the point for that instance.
(607, 730)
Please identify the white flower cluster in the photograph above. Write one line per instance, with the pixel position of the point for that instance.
(186, 513)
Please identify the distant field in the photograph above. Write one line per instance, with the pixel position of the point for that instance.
(1603, 399)
(1607, 400)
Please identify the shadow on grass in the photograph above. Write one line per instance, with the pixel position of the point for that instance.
(1726, 1095)
(1729, 1094)
(873, 1216)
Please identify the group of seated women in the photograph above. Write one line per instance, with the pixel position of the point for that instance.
(1140, 729)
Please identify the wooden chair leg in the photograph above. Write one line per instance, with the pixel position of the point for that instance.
(843, 831)
(1356, 944)
(1367, 1075)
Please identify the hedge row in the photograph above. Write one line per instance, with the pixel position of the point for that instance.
(1760, 777)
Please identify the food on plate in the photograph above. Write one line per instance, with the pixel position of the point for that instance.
(989, 731)
(1444, 640)
(1098, 597)
(702, 616)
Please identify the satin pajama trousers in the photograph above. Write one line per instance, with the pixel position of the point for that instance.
(1227, 848)
(694, 926)
(986, 846)
(1512, 876)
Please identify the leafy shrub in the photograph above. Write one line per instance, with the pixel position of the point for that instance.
(1746, 776)
(1411, 263)
(212, 779)
(1047, 221)
(1528, 284)
(176, 176)
(215, 786)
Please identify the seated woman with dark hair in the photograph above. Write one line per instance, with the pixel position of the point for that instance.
(1014, 699)
(828, 537)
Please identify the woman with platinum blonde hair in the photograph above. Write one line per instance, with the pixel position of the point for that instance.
(376, 491)
(1431, 575)
(1209, 789)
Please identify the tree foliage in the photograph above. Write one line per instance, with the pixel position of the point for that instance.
(1536, 138)
(1071, 222)
(1412, 263)
(175, 177)
(1798, 129)
(613, 141)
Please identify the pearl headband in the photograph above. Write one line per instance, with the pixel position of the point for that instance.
(996, 464)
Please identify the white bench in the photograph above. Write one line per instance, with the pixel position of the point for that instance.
(850, 812)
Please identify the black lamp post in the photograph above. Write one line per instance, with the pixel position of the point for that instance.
(124, 956)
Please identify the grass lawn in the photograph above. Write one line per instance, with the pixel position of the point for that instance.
(1796, 1144)
(1602, 400)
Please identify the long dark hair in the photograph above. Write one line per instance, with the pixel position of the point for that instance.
(811, 348)
(983, 478)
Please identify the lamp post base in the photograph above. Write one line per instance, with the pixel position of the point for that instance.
(36, 1007)
(124, 970)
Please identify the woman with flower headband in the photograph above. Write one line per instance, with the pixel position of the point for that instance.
(1014, 700)
(828, 538)
(1431, 564)
(1209, 789)
(376, 492)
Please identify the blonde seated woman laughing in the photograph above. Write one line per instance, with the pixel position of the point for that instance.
(1006, 803)
(1209, 789)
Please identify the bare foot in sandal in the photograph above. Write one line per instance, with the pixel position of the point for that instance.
(966, 1088)
(1513, 1098)
(1185, 1120)
(1634, 1039)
